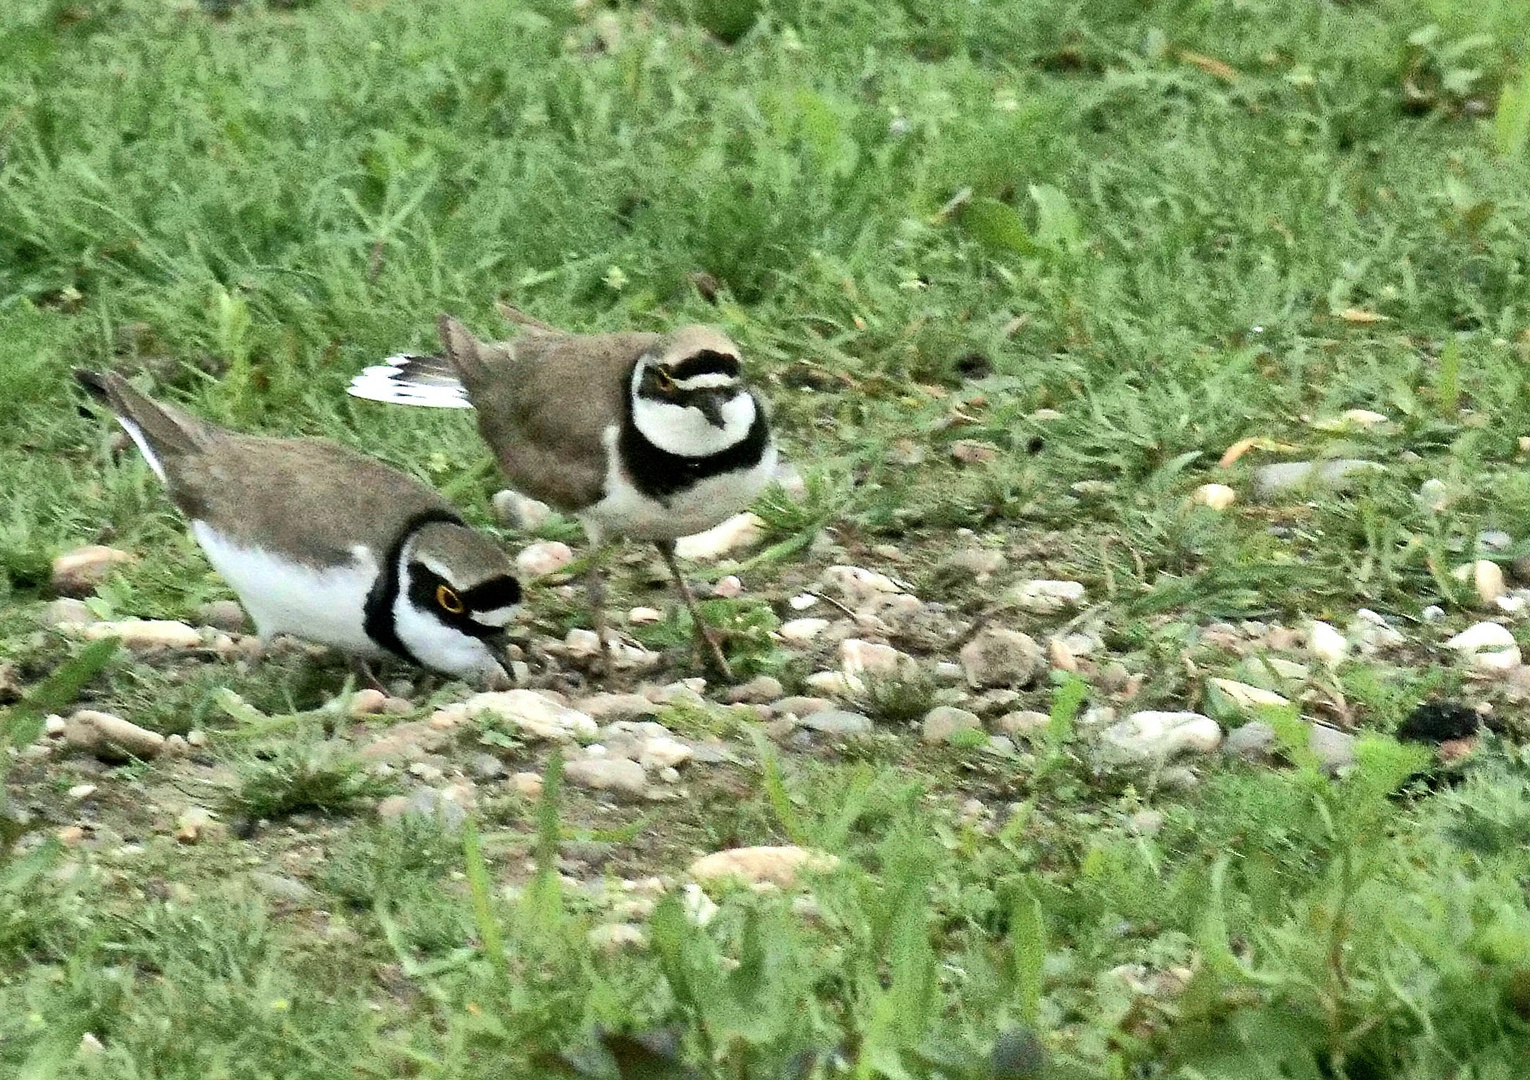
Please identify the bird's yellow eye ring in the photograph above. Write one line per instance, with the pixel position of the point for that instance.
(450, 602)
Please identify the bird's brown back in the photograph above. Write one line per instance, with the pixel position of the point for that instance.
(311, 499)
(544, 403)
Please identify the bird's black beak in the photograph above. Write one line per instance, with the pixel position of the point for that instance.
(711, 403)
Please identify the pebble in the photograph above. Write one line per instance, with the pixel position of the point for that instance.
(760, 689)
(729, 587)
(1488, 647)
(735, 534)
(197, 823)
(802, 631)
(1254, 741)
(111, 737)
(976, 563)
(777, 866)
(1432, 614)
(281, 887)
(1146, 822)
(517, 511)
(145, 635)
(368, 702)
(485, 767)
(65, 611)
(608, 707)
(1371, 633)
(1487, 577)
(1216, 496)
(1157, 736)
(1326, 643)
(1247, 698)
(859, 657)
(943, 722)
(1433, 495)
(581, 643)
(55, 725)
(70, 835)
(1023, 723)
(973, 451)
(406, 742)
(857, 584)
(949, 671)
(663, 752)
(1334, 749)
(176, 745)
(1494, 540)
(528, 711)
(1364, 418)
(543, 558)
(78, 572)
(996, 657)
(81, 791)
(644, 616)
(839, 723)
(1043, 597)
(1288, 477)
(800, 705)
(616, 775)
(528, 784)
(225, 615)
(802, 601)
(614, 937)
(1060, 656)
(836, 683)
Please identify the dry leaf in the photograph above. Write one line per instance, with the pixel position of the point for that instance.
(1357, 315)
(1210, 65)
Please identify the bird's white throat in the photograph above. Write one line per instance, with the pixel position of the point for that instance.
(683, 430)
(431, 641)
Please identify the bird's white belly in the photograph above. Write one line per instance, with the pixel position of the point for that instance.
(626, 511)
(287, 597)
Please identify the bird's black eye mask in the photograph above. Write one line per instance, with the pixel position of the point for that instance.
(429, 591)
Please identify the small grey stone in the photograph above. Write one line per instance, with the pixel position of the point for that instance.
(617, 775)
(801, 706)
(838, 722)
(591, 854)
(1254, 741)
(486, 767)
(1150, 736)
(760, 689)
(944, 721)
(225, 615)
(1178, 778)
(1494, 540)
(976, 563)
(1147, 822)
(64, 611)
(1000, 745)
(281, 887)
(1335, 749)
(996, 657)
(1023, 722)
(1289, 477)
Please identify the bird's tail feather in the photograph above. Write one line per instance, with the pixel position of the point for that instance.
(158, 430)
(428, 381)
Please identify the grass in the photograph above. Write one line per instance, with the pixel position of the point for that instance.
(1110, 239)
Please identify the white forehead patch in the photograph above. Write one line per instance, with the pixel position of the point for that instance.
(709, 380)
(437, 568)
